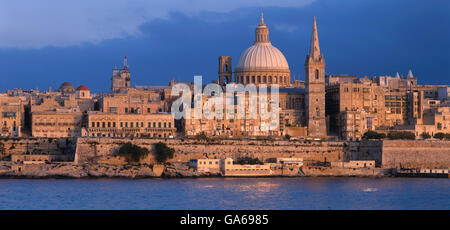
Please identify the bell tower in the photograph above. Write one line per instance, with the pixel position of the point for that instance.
(315, 88)
(225, 70)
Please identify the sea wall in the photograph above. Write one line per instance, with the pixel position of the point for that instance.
(431, 154)
(37, 146)
(92, 150)
(416, 154)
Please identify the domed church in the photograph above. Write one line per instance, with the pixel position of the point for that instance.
(262, 63)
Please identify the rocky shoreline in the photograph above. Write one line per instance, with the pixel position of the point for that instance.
(170, 170)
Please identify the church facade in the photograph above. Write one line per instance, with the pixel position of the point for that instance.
(302, 106)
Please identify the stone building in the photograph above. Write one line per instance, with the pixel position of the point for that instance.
(57, 123)
(354, 123)
(11, 116)
(134, 101)
(120, 80)
(159, 125)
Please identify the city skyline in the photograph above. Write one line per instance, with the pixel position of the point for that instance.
(163, 49)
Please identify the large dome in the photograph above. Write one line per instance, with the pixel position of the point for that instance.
(262, 63)
(262, 57)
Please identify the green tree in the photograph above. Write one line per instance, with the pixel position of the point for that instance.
(401, 135)
(202, 136)
(373, 135)
(442, 135)
(248, 161)
(163, 152)
(425, 135)
(132, 153)
(287, 136)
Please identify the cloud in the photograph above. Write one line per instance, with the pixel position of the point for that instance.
(36, 24)
(285, 27)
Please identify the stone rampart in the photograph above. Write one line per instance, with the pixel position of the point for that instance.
(91, 150)
(37, 146)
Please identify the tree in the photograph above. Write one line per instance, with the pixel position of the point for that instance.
(401, 135)
(373, 135)
(202, 136)
(287, 136)
(163, 152)
(248, 160)
(442, 136)
(425, 135)
(132, 153)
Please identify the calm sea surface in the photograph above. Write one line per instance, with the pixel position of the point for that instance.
(227, 193)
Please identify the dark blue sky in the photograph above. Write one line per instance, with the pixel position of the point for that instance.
(361, 37)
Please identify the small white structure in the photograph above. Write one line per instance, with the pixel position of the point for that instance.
(205, 165)
(354, 164)
(290, 161)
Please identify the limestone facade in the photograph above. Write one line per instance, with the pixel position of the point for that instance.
(101, 124)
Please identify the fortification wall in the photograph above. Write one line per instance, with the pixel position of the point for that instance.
(402, 153)
(416, 154)
(91, 150)
(40, 146)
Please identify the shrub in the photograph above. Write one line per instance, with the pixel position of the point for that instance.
(248, 160)
(442, 136)
(163, 152)
(401, 135)
(425, 135)
(202, 136)
(373, 135)
(132, 153)
(287, 136)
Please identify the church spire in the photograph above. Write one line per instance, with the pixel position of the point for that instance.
(262, 19)
(410, 74)
(125, 65)
(314, 49)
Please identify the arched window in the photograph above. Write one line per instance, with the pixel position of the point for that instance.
(225, 68)
(265, 79)
(317, 74)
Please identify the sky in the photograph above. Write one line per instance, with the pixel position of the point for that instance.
(45, 43)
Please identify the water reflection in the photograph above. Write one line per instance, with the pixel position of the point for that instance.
(227, 193)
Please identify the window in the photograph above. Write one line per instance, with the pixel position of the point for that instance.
(170, 125)
(93, 124)
(165, 125)
(159, 124)
(148, 110)
(103, 124)
(317, 74)
(142, 124)
(114, 124)
(109, 124)
(149, 124)
(126, 110)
